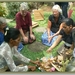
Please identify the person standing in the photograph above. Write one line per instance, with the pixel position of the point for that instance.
(70, 10)
(64, 7)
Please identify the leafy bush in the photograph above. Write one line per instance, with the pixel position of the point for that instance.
(2, 10)
(13, 8)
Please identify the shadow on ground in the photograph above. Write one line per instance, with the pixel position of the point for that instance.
(37, 46)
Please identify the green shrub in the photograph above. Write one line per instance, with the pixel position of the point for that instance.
(2, 10)
(13, 8)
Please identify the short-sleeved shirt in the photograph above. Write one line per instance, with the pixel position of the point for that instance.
(20, 23)
(67, 38)
(55, 25)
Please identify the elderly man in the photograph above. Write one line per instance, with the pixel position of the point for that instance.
(24, 23)
(53, 26)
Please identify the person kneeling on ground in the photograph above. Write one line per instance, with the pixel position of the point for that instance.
(24, 24)
(12, 38)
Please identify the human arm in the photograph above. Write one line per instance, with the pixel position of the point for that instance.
(22, 57)
(8, 56)
(19, 23)
(61, 26)
(48, 28)
(70, 50)
(25, 38)
(55, 43)
(30, 26)
(72, 46)
(19, 56)
(31, 34)
(48, 31)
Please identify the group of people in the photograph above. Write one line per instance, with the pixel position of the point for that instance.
(56, 27)
(10, 39)
(59, 28)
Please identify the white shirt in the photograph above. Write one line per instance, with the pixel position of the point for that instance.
(74, 52)
(6, 56)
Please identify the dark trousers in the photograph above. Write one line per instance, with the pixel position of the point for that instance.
(64, 11)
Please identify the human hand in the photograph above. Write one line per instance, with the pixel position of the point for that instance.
(50, 38)
(69, 51)
(25, 39)
(32, 68)
(32, 36)
(49, 50)
(37, 62)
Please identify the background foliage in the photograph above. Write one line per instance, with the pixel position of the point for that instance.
(2, 10)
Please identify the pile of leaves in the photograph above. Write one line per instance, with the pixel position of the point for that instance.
(57, 63)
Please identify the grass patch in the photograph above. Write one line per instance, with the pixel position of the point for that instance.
(32, 55)
(11, 24)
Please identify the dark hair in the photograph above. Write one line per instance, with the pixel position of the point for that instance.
(68, 21)
(11, 33)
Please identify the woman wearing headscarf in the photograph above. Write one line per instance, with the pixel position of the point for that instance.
(53, 26)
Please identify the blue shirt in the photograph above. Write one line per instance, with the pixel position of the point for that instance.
(1, 37)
